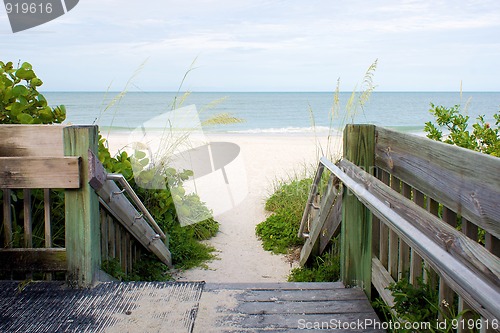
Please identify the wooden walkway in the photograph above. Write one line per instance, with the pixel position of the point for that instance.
(184, 307)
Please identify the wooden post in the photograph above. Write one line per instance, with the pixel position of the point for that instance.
(83, 246)
(356, 256)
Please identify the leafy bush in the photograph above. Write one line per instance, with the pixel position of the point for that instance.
(415, 303)
(483, 138)
(20, 101)
(279, 231)
(325, 268)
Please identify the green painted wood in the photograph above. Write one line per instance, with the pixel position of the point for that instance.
(356, 255)
(82, 211)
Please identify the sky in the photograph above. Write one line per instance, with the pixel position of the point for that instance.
(261, 45)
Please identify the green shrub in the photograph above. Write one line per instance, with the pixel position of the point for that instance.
(483, 138)
(279, 231)
(325, 268)
(20, 101)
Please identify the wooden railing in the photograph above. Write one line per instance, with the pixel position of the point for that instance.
(36, 159)
(411, 208)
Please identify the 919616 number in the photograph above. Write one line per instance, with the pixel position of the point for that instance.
(27, 7)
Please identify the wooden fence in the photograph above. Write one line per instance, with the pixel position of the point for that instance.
(38, 162)
(415, 208)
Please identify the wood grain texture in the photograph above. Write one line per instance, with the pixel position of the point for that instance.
(33, 260)
(7, 218)
(469, 268)
(465, 181)
(31, 140)
(39, 172)
(356, 248)
(82, 211)
(284, 307)
(118, 205)
(328, 214)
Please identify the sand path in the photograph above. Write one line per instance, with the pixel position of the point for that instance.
(265, 159)
(241, 257)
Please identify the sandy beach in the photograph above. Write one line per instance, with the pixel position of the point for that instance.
(262, 160)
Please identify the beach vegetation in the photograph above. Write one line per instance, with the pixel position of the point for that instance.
(419, 303)
(324, 268)
(21, 103)
(278, 232)
(452, 126)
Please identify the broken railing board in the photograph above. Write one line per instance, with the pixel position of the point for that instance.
(120, 207)
(319, 223)
(331, 227)
(39, 172)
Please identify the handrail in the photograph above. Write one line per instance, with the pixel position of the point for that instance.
(469, 283)
(130, 191)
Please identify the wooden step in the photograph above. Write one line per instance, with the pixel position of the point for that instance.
(284, 307)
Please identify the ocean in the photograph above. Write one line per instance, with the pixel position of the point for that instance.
(271, 112)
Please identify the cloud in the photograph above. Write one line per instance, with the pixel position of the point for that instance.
(261, 38)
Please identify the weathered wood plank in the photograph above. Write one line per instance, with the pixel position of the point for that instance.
(37, 260)
(331, 227)
(381, 279)
(104, 234)
(124, 212)
(393, 237)
(39, 172)
(314, 307)
(119, 206)
(454, 242)
(111, 238)
(404, 249)
(326, 213)
(446, 172)
(492, 244)
(296, 295)
(31, 140)
(7, 218)
(434, 240)
(384, 230)
(416, 265)
(27, 219)
(469, 229)
(467, 315)
(47, 218)
(292, 322)
(312, 194)
(356, 254)
(82, 211)
(325, 286)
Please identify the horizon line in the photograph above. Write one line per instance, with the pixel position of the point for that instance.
(265, 92)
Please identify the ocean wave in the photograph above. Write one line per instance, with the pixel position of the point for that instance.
(284, 130)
